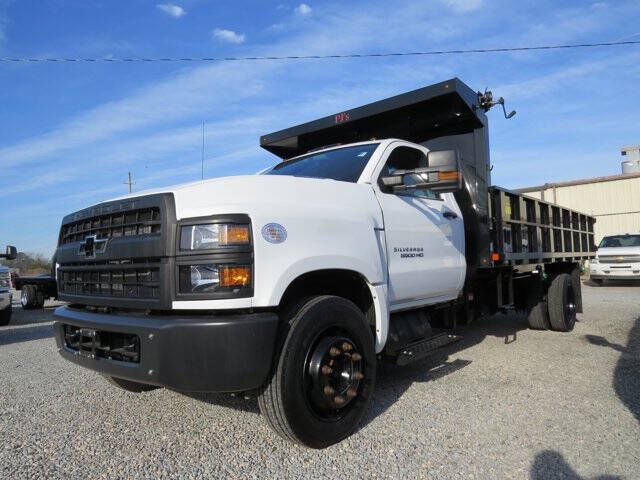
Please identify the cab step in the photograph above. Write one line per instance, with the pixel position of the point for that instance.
(423, 348)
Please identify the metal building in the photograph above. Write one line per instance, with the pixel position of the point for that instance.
(613, 200)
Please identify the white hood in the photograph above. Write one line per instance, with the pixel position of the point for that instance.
(272, 194)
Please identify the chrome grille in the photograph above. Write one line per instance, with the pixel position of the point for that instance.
(619, 258)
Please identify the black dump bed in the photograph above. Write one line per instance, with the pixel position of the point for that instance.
(444, 116)
(445, 108)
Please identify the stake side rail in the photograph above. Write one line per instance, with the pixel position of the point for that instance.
(526, 230)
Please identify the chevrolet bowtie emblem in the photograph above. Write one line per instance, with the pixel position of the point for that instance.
(91, 246)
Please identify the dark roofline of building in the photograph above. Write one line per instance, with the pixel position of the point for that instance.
(584, 181)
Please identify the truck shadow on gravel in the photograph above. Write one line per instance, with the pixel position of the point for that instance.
(626, 376)
(237, 402)
(550, 464)
(393, 381)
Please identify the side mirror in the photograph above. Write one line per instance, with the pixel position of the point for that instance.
(11, 254)
(442, 175)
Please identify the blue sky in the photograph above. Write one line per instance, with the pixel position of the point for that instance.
(69, 133)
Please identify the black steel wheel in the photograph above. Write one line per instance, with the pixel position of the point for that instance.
(324, 377)
(562, 303)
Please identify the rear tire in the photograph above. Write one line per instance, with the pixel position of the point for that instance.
(130, 386)
(5, 316)
(538, 316)
(31, 298)
(537, 309)
(562, 303)
(324, 378)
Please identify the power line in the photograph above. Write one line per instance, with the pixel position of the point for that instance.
(319, 57)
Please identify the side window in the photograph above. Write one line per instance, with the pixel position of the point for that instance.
(406, 158)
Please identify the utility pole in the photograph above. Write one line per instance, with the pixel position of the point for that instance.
(202, 159)
(129, 182)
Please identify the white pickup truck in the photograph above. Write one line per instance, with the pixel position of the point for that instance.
(374, 235)
(5, 288)
(617, 258)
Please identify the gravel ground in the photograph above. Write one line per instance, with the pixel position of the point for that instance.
(506, 402)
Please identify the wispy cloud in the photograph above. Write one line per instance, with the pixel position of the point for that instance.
(463, 6)
(303, 10)
(175, 11)
(228, 36)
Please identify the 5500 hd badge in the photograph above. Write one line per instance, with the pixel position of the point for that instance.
(409, 252)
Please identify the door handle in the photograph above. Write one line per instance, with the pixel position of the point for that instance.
(449, 214)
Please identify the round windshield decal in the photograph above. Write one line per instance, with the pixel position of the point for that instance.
(274, 233)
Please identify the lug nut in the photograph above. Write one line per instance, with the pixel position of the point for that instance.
(358, 375)
(351, 392)
(338, 400)
(328, 391)
(334, 352)
(326, 369)
(356, 357)
(347, 347)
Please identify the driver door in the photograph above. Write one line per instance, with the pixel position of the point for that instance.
(424, 235)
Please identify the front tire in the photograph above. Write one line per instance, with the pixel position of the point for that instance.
(562, 303)
(324, 378)
(597, 281)
(5, 316)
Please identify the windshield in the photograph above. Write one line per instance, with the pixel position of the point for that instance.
(620, 241)
(343, 164)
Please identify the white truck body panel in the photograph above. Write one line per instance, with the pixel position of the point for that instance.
(338, 225)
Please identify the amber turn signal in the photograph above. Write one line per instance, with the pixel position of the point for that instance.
(235, 276)
(234, 234)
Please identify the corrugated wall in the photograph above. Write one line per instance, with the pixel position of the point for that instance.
(615, 204)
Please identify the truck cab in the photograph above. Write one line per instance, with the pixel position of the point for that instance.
(375, 232)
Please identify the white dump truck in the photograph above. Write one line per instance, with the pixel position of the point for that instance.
(376, 232)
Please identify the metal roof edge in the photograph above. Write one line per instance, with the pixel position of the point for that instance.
(584, 181)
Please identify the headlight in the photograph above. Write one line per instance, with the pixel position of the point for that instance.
(594, 260)
(213, 278)
(213, 235)
(5, 282)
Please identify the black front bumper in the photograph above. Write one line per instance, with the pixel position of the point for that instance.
(212, 353)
